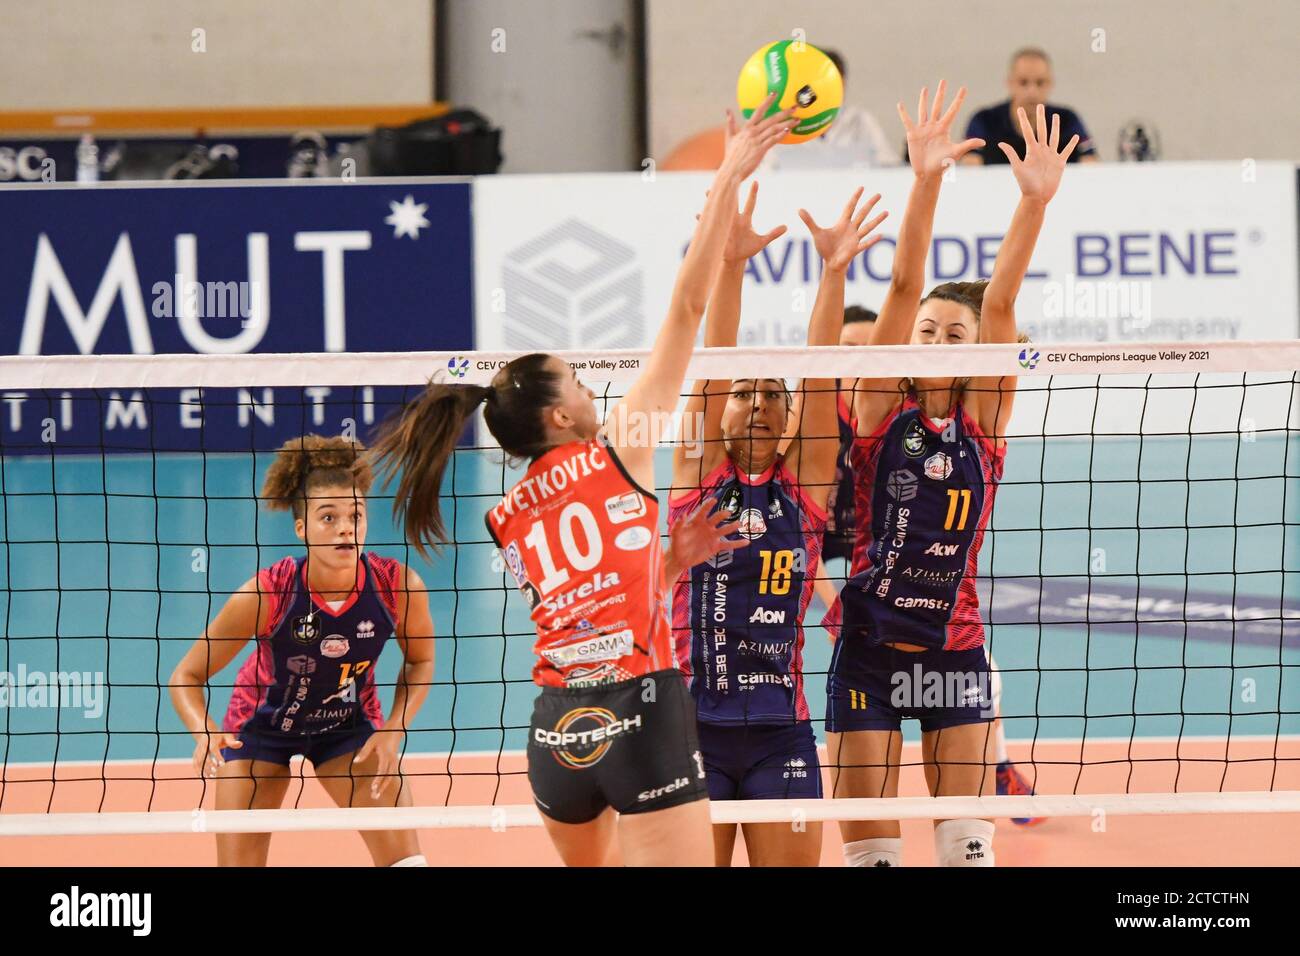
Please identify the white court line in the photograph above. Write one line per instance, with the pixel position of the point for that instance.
(500, 818)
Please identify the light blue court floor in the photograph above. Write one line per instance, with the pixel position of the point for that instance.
(112, 566)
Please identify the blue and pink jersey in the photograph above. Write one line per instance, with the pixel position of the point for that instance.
(841, 523)
(313, 670)
(738, 618)
(925, 491)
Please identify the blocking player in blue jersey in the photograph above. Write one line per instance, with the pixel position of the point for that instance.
(928, 457)
(843, 529)
(738, 618)
(320, 620)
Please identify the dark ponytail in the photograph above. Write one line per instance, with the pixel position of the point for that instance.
(420, 441)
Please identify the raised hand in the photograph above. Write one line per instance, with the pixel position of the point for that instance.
(743, 243)
(850, 236)
(699, 536)
(1039, 173)
(929, 148)
(749, 143)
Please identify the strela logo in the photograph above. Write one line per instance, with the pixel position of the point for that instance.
(601, 582)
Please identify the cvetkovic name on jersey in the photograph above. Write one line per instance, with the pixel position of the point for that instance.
(534, 490)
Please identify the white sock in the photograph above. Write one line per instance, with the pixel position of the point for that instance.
(964, 843)
(417, 860)
(999, 735)
(878, 852)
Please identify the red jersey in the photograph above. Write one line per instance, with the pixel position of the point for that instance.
(582, 541)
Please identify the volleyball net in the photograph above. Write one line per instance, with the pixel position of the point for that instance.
(1138, 580)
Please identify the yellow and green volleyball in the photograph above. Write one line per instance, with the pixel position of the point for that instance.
(804, 79)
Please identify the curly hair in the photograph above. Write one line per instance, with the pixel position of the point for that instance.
(312, 462)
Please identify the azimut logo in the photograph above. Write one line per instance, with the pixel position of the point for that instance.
(573, 287)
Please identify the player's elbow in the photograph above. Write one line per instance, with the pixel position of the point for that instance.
(691, 305)
(690, 297)
(183, 676)
(998, 307)
(903, 284)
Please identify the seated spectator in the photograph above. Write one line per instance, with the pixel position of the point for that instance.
(1029, 82)
(854, 141)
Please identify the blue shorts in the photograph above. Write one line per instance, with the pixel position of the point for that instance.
(318, 748)
(760, 761)
(876, 687)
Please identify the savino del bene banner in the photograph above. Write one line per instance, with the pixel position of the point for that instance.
(224, 269)
(1130, 252)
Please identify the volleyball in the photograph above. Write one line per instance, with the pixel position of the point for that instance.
(804, 80)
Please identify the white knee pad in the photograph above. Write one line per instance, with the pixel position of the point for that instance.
(964, 843)
(417, 860)
(878, 852)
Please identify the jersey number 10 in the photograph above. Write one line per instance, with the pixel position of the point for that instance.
(573, 514)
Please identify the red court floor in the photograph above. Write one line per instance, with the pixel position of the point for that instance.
(1151, 766)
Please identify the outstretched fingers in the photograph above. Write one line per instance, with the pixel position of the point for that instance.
(951, 115)
(1026, 130)
(937, 109)
(872, 225)
(964, 147)
(853, 203)
(759, 114)
(902, 114)
(867, 235)
(1069, 147)
(865, 210)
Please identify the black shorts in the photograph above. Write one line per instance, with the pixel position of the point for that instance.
(630, 745)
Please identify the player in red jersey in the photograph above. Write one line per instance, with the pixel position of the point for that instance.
(613, 730)
(321, 621)
(911, 607)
